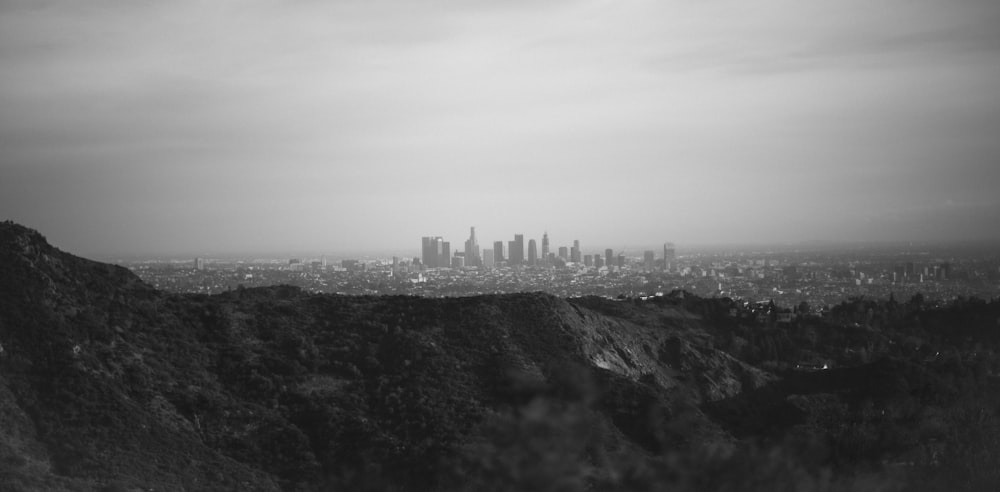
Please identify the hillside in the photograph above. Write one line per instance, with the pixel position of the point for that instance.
(108, 384)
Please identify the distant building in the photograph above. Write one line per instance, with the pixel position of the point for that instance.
(487, 258)
(445, 259)
(199, 263)
(598, 261)
(669, 256)
(515, 255)
(621, 261)
(498, 251)
(532, 253)
(472, 249)
(563, 253)
(648, 260)
(545, 247)
(458, 262)
(609, 257)
(431, 251)
(574, 255)
(588, 260)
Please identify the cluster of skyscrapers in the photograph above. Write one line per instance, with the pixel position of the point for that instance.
(436, 253)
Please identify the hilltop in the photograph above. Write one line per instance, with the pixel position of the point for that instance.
(109, 384)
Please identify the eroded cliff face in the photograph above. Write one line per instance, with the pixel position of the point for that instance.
(109, 382)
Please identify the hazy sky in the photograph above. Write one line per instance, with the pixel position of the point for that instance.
(187, 126)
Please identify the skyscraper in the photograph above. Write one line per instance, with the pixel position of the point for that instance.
(487, 258)
(668, 256)
(648, 260)
(545, 247)
(431, 251)
(472, 249)
(516, 253)
(444, 260)
(532, 253)
(498, 251)
(574, 255)
(564, 253)
(608, 258)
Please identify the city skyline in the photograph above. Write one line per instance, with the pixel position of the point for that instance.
(187, 127)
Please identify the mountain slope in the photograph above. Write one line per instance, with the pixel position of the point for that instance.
(110, 381)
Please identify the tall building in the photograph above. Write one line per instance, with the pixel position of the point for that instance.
(472, 249)
(545, 247)
(487, 258)
(498, 251)
(588, 260)
(668, 256)
(199, 263)
(575, 252)
(444, 260)
(431, 251)
(564, 253)
(532, 253)
(609, 257)
(515, 255)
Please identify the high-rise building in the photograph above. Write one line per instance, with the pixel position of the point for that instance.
(588, 260)
(532, 253)
(444, 260)
(621, 261)
(498, 251)
(598, 261)
(545, 247)
(472, 249)
(487, 258)
(668, 256)
(609, 257)
(515, 254)
(575, 252)
(564, 253)
(199, 263)
(431, 251)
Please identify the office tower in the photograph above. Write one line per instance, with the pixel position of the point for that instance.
(668, 256)
(588, 260)
(545, 247)
(445, 258)
(472, 249)
(199, 263)
(487, 258)
(498, 251)
(532, 253)
(574, 255)
(621, 261)
(648, 260)
(515, 255)
(458, 262)
(431, 251)
(608, 259)
(563, 253)
(598, 261)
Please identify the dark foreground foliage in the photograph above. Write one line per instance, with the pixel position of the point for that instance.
(107, 384)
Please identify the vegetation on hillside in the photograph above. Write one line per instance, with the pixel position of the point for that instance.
(107, 384)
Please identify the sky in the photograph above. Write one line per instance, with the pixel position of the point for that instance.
(190, 126)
